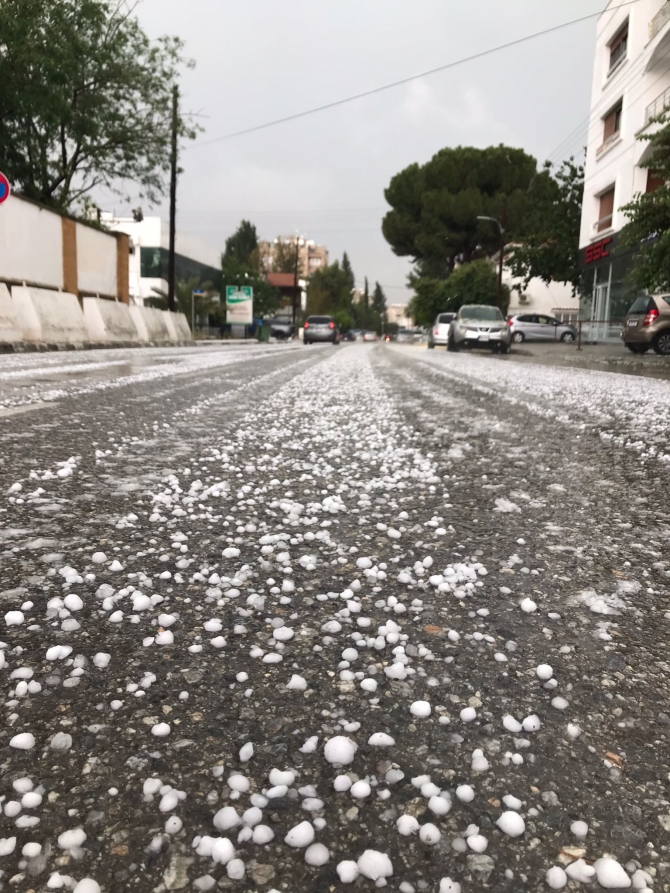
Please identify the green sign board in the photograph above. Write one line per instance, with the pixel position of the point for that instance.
(239, 304)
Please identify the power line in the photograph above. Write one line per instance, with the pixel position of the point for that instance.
(407, 80)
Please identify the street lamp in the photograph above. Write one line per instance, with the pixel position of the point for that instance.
(502, 252)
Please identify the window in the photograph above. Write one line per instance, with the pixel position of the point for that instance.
(654, 181)
(618, 48)
(612, 125)
(606, 211)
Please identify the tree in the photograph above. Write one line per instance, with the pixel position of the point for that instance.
(435, 206)
(348, 271)
(86, 100)
(379, 300)
(284, 256)
(207, 304)
(548, 241)
(473, 283)
(648, 227)
(328, 291)
(242, 244)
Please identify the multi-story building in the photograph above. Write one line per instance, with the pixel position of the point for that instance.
(148, 265)
(311, 256)
(396, 314)
(631, 86)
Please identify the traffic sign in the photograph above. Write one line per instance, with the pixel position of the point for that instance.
(240, 304)
(5, 188)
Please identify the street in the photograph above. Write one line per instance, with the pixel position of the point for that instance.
(298, 618)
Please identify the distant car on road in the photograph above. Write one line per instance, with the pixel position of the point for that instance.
(647, 324)
(319, 329)
(538, 327)
(405, 336)
(479, 325)
(369, 336)
(439, 333)
(347, 336)
(281, 329)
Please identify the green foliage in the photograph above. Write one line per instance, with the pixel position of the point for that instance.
(204, 306)
(242, 246)
(379, 300)
(472, 283)
(285, 257)
(548, 240)
(328, 291)
(348, 271)
(435, 206)
(86, 100)
(648, 227)
(344, 320)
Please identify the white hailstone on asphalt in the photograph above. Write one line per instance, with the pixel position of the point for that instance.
(98, 558)
(512, 802)
(31, 800)
(70, 839)
(283, 634)
(23, 741)
(246, 752)
(7, 845)
(511, 824)
(235, 869)
(116, 566)
(360, 790)
(317, 854)
(226, 818)
(160, 730)
(347, 871)
(580, 871)
(3, 659)
(477, 843)
(468, 714)
(375, 865)
(239, 783)
(262, 834)
(439, 805)
(611, 875)
(560, 704)
(297, 683)
(512, 724)
(231, 552)
(101, 660)
(421, 708)
(369, 685)
(350, 654)
(300, 835)
(73, 602)
(277, 777)
(310, 745)
(574, 731)
(429, 834)
(340, 750)
(465, 793)
(579, 829)
(381, 739)
(556, 878)
(544, 672)
(479, 762)
(86, 885)
(406, 825)
(532, 723)
(14, 618)
(449, 886)
(173, 825)
(528, 605)
(61, 741)
(342, 783)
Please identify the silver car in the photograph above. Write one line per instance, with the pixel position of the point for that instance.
(439, 334)
(479, 325)
(320, 328)
(538, 327)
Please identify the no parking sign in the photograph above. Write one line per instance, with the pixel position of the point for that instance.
(5, 188)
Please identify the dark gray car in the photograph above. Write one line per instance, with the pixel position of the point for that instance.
(320, 328)
(538, 327)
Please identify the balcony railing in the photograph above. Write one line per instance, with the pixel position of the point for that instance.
(658, 106)
(661, 17)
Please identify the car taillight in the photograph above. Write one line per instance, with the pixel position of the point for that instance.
(436, 331)
(306, 326)
(650, 317)
(509, 322)
(331, 325)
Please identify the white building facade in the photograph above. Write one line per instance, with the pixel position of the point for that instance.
(631, 85)
(148, 262)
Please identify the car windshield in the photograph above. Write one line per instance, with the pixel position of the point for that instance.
(480, 313)
(319, 320)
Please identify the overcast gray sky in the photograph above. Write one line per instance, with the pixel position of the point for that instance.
(324, 175)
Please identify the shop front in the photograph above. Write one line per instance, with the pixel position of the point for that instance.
(606, 292)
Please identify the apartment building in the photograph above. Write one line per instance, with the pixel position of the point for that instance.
(311, 256)
(631, 86)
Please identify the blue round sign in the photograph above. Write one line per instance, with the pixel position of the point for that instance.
(5, 188)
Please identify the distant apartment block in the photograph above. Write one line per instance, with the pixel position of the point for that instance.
(311, 256)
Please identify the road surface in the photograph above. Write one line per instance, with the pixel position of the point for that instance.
(314, 619)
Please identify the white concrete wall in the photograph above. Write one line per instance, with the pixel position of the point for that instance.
(542, 298)
(10, 330)
(109, 322)
(31, 243)
(49, 316)
(637, 81)
(96, 261)
(150, 324)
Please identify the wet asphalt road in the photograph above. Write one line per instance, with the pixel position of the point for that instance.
(425, 529)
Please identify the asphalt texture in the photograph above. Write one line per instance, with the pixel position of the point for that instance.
(263, 611)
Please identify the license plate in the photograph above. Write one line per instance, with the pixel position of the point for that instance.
(632, 323)
(472, 333)
(484, 336)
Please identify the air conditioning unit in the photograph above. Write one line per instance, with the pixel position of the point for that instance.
(523, 299)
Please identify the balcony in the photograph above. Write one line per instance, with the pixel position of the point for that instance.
(659, 20)
(657, 107)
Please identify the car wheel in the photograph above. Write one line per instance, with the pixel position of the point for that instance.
(633, 348)
(518, 337)
(567, 337)
(451, 345)
(662, 344)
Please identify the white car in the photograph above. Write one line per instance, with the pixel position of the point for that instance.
(369, 336)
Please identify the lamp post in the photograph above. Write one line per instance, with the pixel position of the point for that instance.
(502, 253)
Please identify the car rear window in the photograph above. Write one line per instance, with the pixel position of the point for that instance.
(319, 320)
(641, 306)
(445, 317)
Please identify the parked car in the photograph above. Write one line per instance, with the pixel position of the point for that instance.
(479, 325)
(347, 336)
(537, 327)
(647, 324)
(439, 333)
(405, 336)
(320, 328)
(281, 329)
(369, 336)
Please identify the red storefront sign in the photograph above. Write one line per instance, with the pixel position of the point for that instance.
(597, 251)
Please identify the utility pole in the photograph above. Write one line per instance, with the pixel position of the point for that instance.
(502, 257)
(295, 283)
(173, 197)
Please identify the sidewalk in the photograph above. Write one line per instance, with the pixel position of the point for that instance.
(603, 357)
